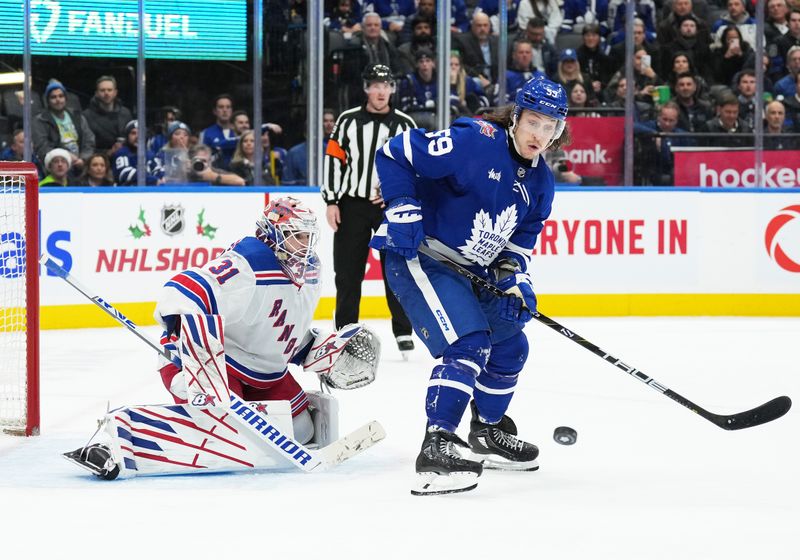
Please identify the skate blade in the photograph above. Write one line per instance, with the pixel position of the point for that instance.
(405, 354)
(433, 484)
(74, 458)
(495, 462)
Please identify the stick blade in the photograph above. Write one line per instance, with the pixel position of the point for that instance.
(767, 412)
(353, 443)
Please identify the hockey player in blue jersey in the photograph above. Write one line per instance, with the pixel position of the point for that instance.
(478, 194)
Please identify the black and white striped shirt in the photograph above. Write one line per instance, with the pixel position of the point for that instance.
(350, 155)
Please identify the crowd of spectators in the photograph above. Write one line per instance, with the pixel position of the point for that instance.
(693, 60)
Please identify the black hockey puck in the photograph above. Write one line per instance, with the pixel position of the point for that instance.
(565, 435)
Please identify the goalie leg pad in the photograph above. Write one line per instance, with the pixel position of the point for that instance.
(203, 358)
(180, 439)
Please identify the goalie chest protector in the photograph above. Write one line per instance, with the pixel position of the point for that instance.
(266, 315)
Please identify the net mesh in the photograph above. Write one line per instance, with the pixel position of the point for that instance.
(13, 304)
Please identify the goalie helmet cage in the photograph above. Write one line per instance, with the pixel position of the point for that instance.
(19, 295)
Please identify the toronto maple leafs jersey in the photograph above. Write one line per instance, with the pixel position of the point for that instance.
(266, 315)
(478, 200)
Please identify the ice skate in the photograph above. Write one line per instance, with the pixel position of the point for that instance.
(96, 459)
(496, 447)
(441, 467)
(405, 344)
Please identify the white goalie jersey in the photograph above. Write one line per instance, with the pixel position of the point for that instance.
(266, 314)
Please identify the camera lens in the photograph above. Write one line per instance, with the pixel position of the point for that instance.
(198, 165)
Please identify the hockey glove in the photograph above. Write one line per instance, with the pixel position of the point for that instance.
(520, 303)
(404, 230)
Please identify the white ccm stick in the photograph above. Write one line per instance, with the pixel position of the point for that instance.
(244, 413)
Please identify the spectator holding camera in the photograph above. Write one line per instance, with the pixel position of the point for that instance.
(732, 55)
(201, 170)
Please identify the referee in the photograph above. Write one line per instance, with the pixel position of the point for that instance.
(350, 189)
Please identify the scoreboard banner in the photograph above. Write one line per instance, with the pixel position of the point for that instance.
(174, 29)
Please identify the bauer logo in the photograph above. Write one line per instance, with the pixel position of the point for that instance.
(782, 238)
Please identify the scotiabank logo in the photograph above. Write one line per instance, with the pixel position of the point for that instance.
(772, 238)
(595, 155)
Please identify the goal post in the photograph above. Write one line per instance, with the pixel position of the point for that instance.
(19, 298)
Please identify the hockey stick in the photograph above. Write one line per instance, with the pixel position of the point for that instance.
(243, 412)
(767, 412)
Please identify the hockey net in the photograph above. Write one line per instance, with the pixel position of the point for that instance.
(19, 299)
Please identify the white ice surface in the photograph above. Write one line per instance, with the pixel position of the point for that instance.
(647, 478)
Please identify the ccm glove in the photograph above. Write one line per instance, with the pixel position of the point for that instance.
(520, 303)
(404, 226)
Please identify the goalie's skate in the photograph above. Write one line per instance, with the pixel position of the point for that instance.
(96, 459)
(441, 469)
(496, 447)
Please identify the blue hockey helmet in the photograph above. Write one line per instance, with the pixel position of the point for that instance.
(543, 96)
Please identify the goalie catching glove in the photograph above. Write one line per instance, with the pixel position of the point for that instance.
(520, 304)
(346, 359)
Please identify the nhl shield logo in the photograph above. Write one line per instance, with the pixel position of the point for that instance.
(172, 222)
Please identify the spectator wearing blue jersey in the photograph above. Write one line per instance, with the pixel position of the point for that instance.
(124, 161)
(578, 13)
(478, 194)
(492, 9)
(394, 13)
(792, 104)
(418, 89)
(220, 136)
(520, 71)
(168, 115)
(645, 10)
(786, 86)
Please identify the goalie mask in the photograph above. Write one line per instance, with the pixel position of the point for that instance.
(291, 230)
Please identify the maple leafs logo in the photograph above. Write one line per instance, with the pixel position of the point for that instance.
(205, 229)
(139, 232)
(488, 237)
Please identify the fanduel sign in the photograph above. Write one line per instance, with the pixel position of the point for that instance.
(194, 29)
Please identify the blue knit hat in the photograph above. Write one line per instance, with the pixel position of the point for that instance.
(177, 125)
(53, 85)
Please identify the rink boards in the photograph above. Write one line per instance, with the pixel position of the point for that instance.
(603, 252)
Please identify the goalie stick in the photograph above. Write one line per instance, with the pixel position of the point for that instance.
(767, 412)
(241, 411)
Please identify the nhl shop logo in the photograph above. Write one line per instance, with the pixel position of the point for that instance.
(172, 222)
